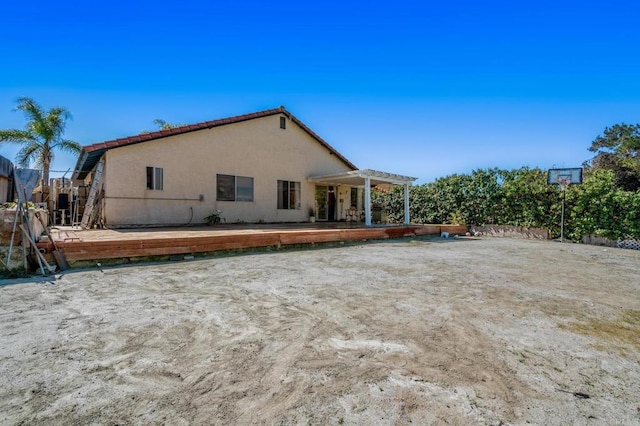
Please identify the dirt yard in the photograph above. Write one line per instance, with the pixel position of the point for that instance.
(423, 331)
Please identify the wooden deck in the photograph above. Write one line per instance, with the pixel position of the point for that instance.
(95, 245)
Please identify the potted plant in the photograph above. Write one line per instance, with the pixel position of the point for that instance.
(213, 218)
(312, 214)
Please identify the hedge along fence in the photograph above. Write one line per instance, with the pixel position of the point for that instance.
(600, 209)
(522, 198)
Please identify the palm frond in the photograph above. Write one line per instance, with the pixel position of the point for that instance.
(29, 153)
(16, 136)
(61, 112)
(68, 146)
(31, 109)
(57, 120)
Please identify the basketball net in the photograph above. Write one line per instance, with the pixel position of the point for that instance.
(564, 182)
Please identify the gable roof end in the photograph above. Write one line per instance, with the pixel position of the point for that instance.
(91, 154)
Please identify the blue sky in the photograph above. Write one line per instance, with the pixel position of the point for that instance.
(423, 89)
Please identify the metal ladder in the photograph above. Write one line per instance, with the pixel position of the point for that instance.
(90, 207)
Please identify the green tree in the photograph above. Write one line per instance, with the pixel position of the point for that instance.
(527, 199)
(618, 150)
(599, 208)
(482, 197)
(41, 137)
(162, 125)
(165, 125)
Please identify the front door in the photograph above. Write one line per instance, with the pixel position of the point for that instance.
(326, 202)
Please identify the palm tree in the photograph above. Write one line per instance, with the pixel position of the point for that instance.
(41, 136)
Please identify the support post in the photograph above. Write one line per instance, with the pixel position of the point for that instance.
(367, 201)
(407, 218)
(564, 196)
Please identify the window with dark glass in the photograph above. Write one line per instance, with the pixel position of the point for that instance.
(234, 188)
(154, 178)
(288, 195)
(354, 197)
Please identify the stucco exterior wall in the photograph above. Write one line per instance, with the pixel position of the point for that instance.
(256, 148)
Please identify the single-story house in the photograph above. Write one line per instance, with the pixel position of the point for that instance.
(263, 167)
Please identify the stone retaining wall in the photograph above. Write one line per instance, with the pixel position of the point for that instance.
(510, 232)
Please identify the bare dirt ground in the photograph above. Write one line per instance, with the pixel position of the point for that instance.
(423, 331)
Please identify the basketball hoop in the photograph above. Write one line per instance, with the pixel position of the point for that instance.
(563, 178)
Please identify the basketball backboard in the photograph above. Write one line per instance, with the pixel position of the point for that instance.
(570, 176)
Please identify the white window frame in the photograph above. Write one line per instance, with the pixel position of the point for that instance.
(155, 178)
(292, 199)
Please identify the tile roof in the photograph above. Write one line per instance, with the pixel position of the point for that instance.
(91, 154)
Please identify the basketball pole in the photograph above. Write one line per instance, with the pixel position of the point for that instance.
(564, 194)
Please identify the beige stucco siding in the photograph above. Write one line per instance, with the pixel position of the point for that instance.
(256, 148)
